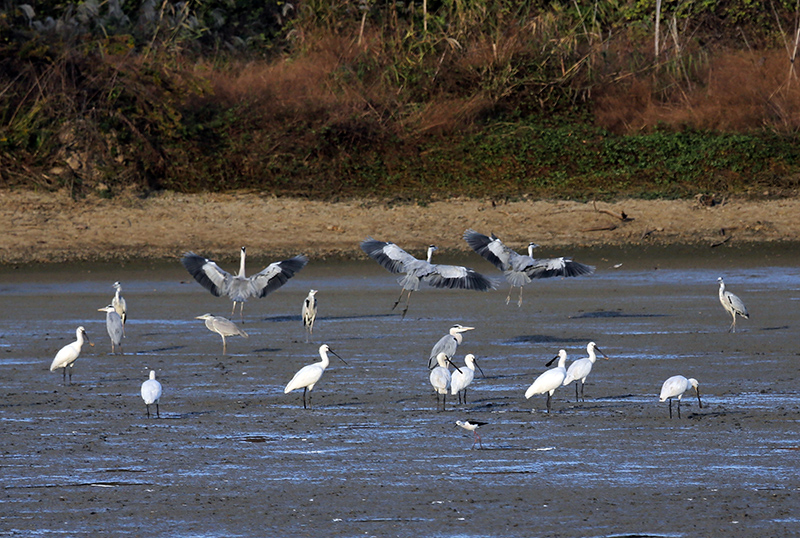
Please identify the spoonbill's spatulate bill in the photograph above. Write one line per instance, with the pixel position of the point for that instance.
(675, 387)
(549, 381)
(309, 375)
(151, 393)
(223, 327)
(397, 260)
(732, 304)
(239, 288)
(579, 370)
(520, 269)
(67, 355)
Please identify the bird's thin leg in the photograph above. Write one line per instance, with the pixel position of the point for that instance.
(508, 297)
(305, 389)
(224, 345)
(548, 403)
(670, 408)
(70, 374)
(233, 309)
(64, 376)
(444, 400)
(158, 413)
(474, 439)
(147, 406)
(241, 311)
(408, 300)
(576, 392)
(583, 399)
(397, 302)
(465, 396)
(519, 304)
(679, 408)
(480, 444)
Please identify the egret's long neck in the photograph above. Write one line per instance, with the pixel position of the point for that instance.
(241, 264)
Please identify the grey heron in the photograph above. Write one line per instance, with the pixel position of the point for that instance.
(223, 327)
(472, 426)
(461, 379)
(519, 269)
(448, 343)
(120, 305)
(309, 375)
(151, 393)
(309, 313)
(67, 355)
(579, 370)
(397, 260)
(240, 287)
(732, 304)
(674, 387)
(550, 380)
(114, 327)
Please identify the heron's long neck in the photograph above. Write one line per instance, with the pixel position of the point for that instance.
(241, 265)
(530, 251)
(430, 254)
(458, 338)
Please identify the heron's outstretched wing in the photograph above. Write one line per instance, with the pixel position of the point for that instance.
(389, 255)
(490, 248)
(557, 267)
(206, 272)
(458, 277)
(275, 275)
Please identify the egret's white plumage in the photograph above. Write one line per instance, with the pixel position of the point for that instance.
(114, 327)
(448, 343)
(151, 393)
(309, 375)
(461, 379)
(550, 380)
(675, 387)
(732, 304)
(397, 260)
(579, 370)
(67, 355)
(309, 313)
(120, 305)
(240, 287)
(472, 425)
(519, 269)
(223, 327)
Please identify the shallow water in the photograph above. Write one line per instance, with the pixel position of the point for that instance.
(233, 455)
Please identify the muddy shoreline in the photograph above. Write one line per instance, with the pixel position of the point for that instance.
(53, 227)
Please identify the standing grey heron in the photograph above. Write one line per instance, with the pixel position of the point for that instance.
(732, 304)
(397, 260)
(223, 327)
(461, 379)
(472, 426)
(674, 387)
(309, 375)
(67, 355)
(120, 305)
(309, 313)
(448, 343)
(550, 380)
(579, 370)
(519, 269)
(114, 327)
(240, 287)
(151, 393)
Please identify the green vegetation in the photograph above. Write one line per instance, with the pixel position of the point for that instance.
(404, 101)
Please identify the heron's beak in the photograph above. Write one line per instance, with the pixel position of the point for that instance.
(333, 352)
(466, 329)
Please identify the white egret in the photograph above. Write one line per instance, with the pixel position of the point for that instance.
(223, 327)
(448, 343)
(309, 375)
(240, 287)
(309, 313)
(579, 370)
(732, 304)
(151, 393)
(472, 425)
(519, 269)
(461, 379)
(120, 305)
(114, 327)
(397, 260)
(674, 387)
(67, 355)
(550, 380)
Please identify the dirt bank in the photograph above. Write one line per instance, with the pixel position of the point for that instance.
(54, 227)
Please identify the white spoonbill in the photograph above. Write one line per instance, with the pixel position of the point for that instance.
(309, 313)
(151, 393)
(674, 387)
(461, 379)
(239, 287)
(223, 327)
(732, 304)
(120, 305)
(308, 375)
(440, 378)
(114, 327)
(579, 370)
(472, 425)
(448, 343)
(550, 380)
(67, 355)
(397, 260)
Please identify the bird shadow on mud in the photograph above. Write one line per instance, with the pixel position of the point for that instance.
(606, 314)
(543, 339)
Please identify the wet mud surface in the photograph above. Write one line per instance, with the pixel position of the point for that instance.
(232, 455)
